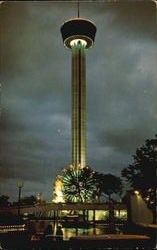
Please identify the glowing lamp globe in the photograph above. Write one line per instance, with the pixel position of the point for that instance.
(78, 30)
(20, 183)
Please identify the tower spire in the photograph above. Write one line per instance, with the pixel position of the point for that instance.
(78, 8)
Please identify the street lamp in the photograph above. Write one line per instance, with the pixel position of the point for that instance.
(20, 185)
(136, 192)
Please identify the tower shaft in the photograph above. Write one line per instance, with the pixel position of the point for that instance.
(78, 105)
(78, 35)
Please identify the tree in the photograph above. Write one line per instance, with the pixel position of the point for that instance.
(4, 200)
(141, 174)
(111, 185)
(98, 179)
(108, 184)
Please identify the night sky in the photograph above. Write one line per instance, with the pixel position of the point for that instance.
(35, 133)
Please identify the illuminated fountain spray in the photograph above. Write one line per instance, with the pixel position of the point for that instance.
(57, 190)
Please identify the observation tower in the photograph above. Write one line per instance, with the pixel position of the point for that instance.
(78, 35)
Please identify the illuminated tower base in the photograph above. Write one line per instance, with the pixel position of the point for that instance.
(78, 35)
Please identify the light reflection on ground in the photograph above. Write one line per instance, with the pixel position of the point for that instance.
(68, 232)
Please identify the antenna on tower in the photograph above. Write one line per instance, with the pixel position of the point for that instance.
(78, 8)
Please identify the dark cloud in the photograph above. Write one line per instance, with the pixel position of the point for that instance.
(36, 89)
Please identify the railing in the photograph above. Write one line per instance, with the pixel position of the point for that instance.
(43, 208)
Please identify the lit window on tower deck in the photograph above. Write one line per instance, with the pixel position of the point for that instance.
(77, 42)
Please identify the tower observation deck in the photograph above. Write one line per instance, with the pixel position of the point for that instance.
(78, 35)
